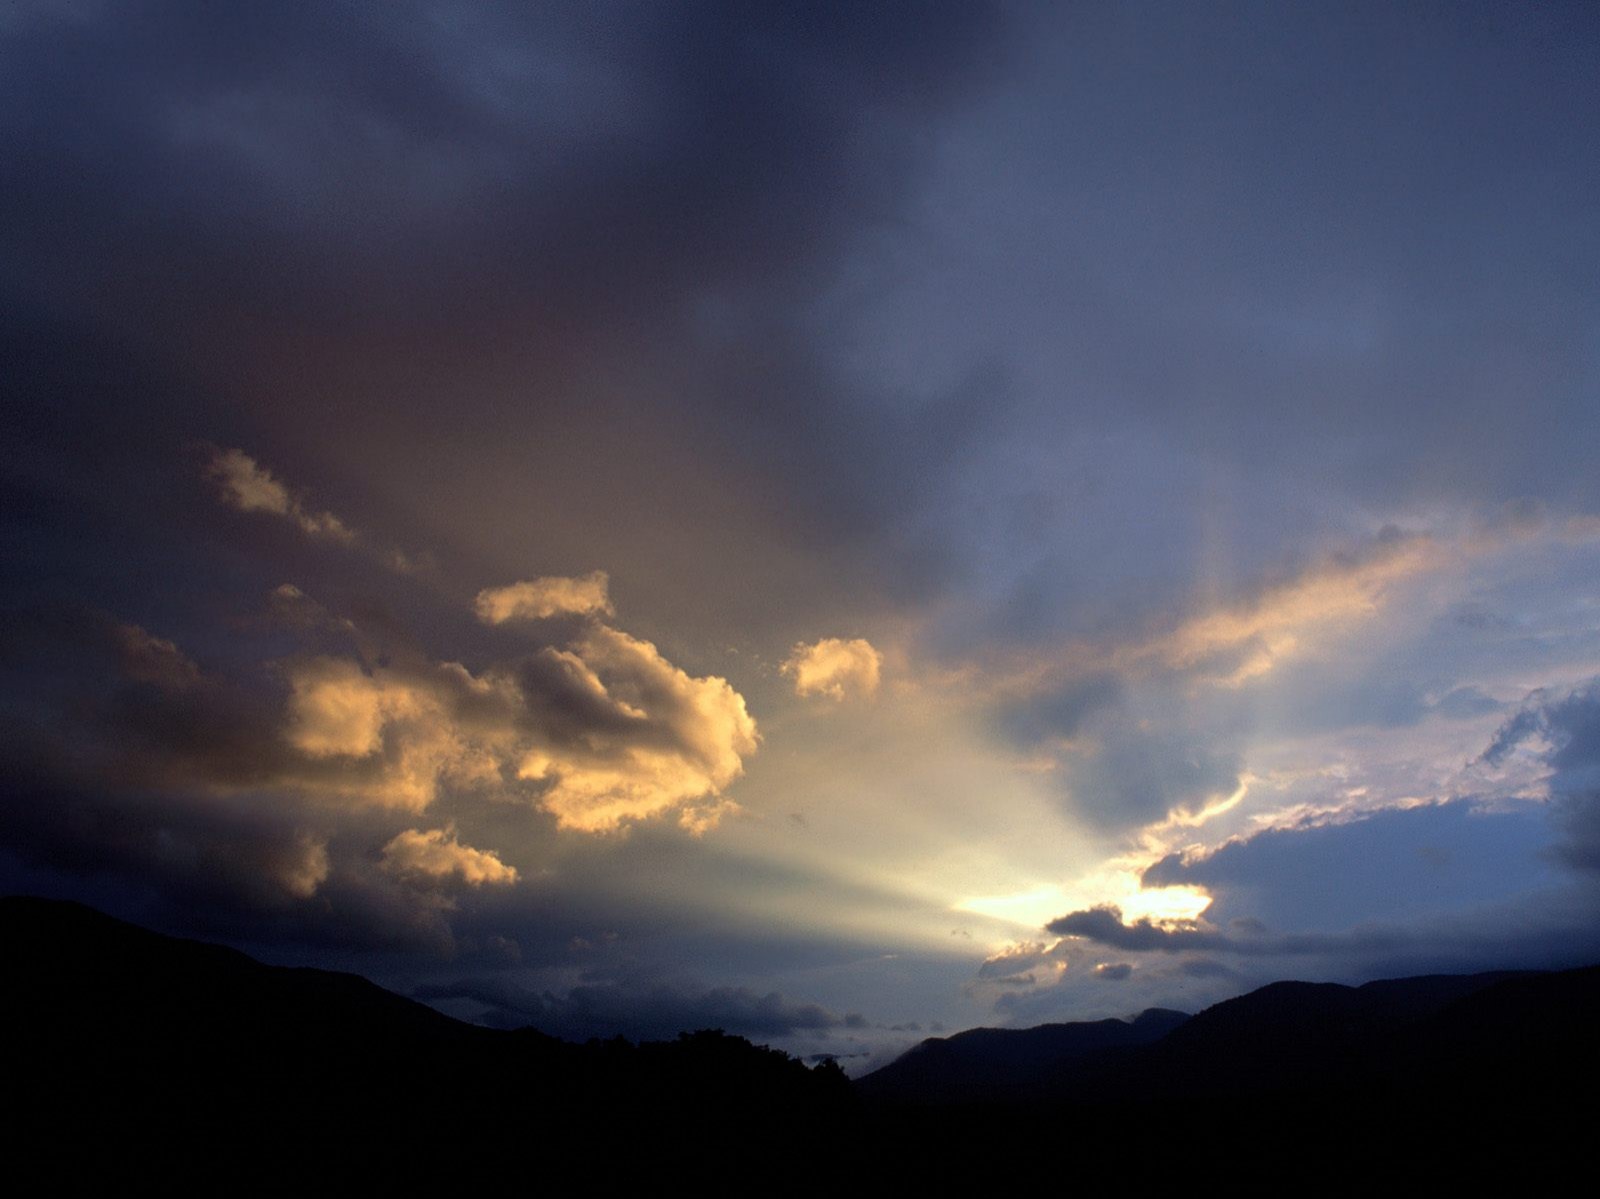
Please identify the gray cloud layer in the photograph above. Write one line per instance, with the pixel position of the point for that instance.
(655, 1013)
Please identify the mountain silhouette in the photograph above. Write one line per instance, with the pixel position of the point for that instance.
(193, 1062)
(1007, 1063)
(1420, 1081)
(128, 1054)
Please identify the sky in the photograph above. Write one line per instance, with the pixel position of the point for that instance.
(836, 522)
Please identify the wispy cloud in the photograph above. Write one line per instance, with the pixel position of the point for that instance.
(1234, 643)
(250, 487)
(540, 599)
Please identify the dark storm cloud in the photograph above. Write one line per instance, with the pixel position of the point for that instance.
(1269, 275)
(1565, 729)
(986, 327)
(1381, 866)
(1204, 968)
(653, 1013)
(110, 700)
(1104, 926)
(1039, 719)
(441, 272)
(406, 201)
(1361, 234)
(1137, 776)
(444, 248)
(1540, 929)
(527, 151)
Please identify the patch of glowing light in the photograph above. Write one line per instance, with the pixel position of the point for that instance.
(1038, 906)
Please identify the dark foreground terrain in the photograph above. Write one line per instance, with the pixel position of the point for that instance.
(132, 1056)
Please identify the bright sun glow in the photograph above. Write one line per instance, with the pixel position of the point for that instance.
(1037, 907)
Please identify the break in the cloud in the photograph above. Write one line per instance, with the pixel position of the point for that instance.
(835, 668)
(540, 599)
(250, 487)
(436, 853)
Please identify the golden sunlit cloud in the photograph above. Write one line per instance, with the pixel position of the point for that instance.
(835, 668)
(605, 780)
(338, 710)
(599, 735)
(384, 738)
(437, 854)
(540, 599)
(248, 486)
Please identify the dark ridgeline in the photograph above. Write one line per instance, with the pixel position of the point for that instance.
(1485, 1079)
(132, 1055)
(999, 1065)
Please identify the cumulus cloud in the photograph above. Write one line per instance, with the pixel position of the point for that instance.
(540, 599)
(1114, 972)
(250, 487)
(835, 668)
(386, 737)
(657, 739)
(257, 790)
(436, 854)
(337, 709)
(599, 734)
